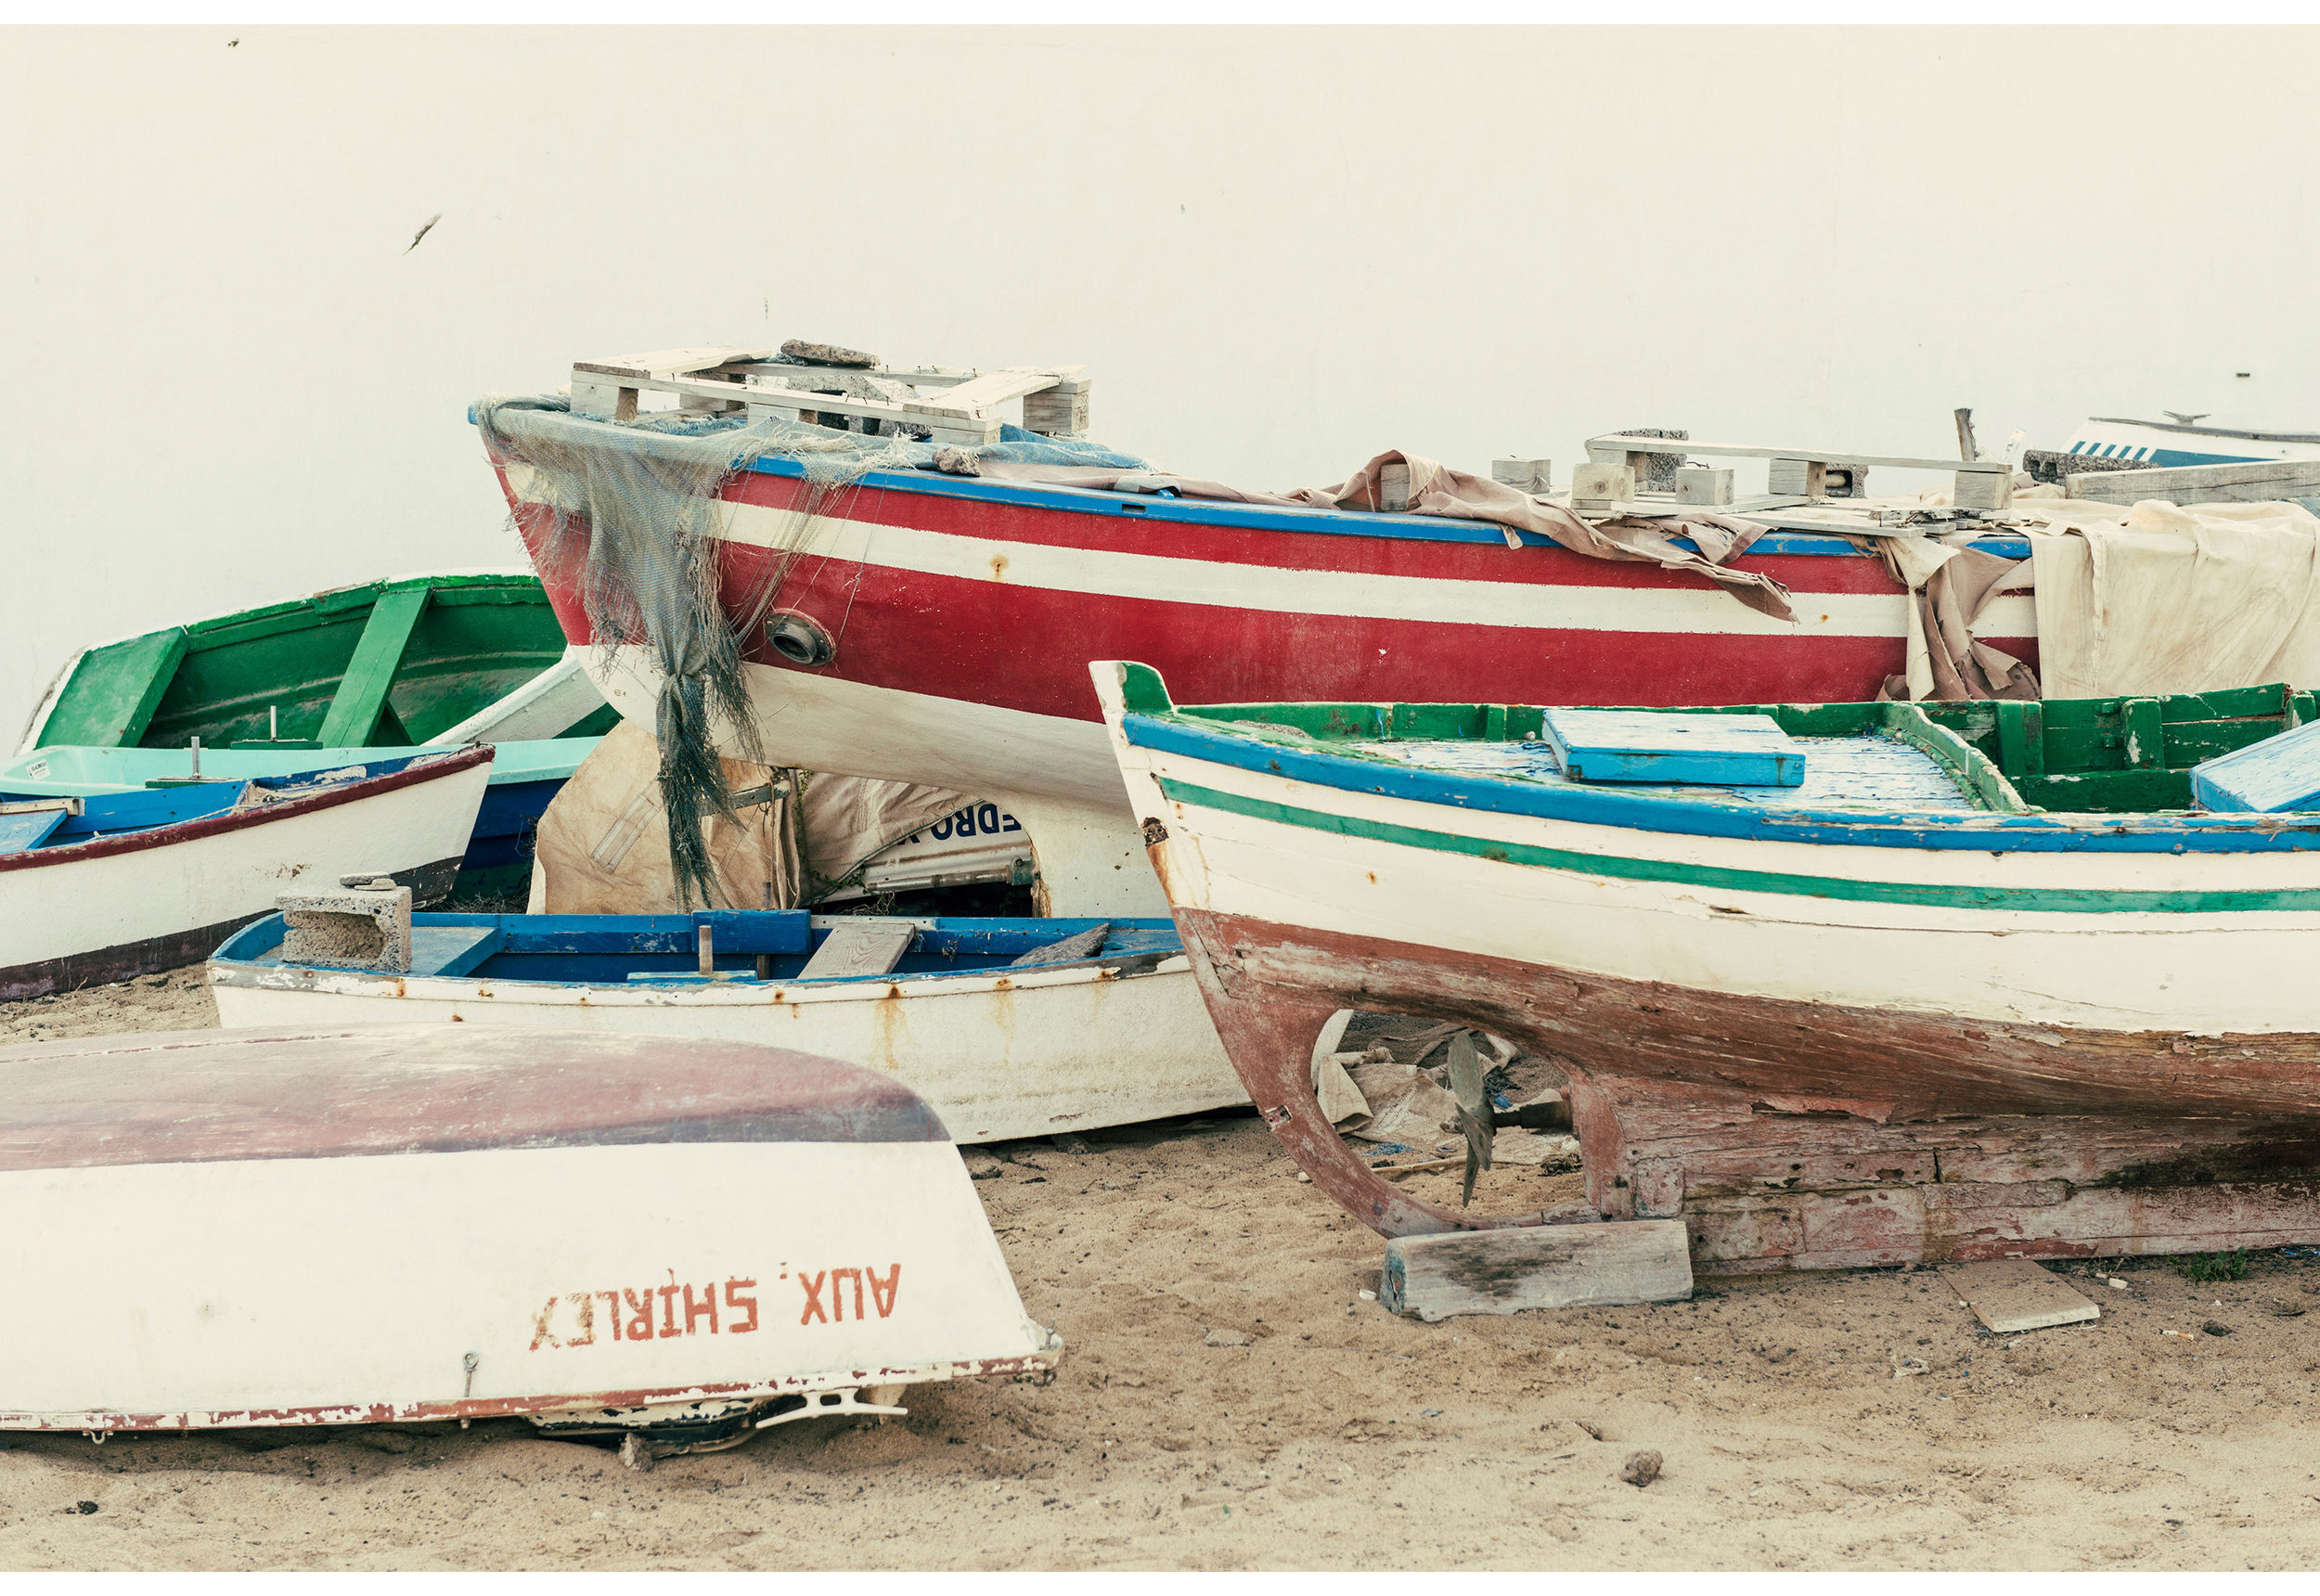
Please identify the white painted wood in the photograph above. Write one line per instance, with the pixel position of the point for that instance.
(340, 1289)
(1703, 485)
(997, 1054)
(1597, 486)
(2012, 1295)
(85, 905)
(857, 948)
(1393, 487)
(2249, 481)
(2112, 971)
(1628, 443)
(660, 361)
(1523, 475)
(979, 396)
(1434, 1277)
(549, 705)
(1982, 490)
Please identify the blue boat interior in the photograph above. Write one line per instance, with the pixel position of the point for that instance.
(663, 949)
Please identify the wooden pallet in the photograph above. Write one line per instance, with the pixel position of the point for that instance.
(949, 406)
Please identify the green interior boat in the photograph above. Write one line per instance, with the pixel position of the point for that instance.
(385, 664)
(2124, 755)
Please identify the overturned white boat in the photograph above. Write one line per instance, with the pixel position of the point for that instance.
(1007, 1027)
(686, 1240)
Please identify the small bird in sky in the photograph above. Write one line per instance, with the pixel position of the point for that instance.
(423, 230)
(2183, 420)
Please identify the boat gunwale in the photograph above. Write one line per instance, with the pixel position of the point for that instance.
(422, 767)
(1179, 732)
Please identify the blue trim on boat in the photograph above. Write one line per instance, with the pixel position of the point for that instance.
(1702, 817)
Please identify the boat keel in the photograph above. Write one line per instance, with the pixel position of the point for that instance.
(1768, 1173)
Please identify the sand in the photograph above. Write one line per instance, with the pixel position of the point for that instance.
(1339, 1437)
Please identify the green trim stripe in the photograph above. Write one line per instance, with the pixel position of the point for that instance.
(2027, 900)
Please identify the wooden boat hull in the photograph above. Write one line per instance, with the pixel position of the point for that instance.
(415, 1222)
(999, 1054)
(1817, 1056)
(142, 901)
(388, 665)
(967, 611)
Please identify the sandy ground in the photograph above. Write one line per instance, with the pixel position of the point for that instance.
(1338, 1437)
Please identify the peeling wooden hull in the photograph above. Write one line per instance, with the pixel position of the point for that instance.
(2035, 1036)
(418, 1222)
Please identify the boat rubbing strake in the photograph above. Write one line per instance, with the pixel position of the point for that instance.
(1892, 1015)
(686, 1237)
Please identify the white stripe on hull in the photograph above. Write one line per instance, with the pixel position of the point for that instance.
(1288, 590)
(54, 911)
(1057, 776)
(998, 1058)
(2202, 974)
(244, 1288)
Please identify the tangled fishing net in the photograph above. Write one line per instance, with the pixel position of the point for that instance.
(633, 511)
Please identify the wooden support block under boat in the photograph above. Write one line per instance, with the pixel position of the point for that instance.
(373, 1223)
(1434, 1277)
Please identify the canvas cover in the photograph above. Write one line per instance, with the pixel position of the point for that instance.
(2159, 598)
(792, 836)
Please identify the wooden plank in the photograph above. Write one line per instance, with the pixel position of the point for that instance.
(672, 362)
(363, 690)
(2146, 733)
(2267, 778)
(859, 948)
(1625, 442)
(19, 832)
(113, 690)
(2010, 1295)
(2022, 738)
(2246, 481)
(451, 950)
(1631, 745)
(978, 396)
(1434, 1277)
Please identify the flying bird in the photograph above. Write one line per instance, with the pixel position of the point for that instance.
(2183, 420)
(424, 229)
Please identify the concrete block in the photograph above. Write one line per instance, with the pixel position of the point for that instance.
(364, 925)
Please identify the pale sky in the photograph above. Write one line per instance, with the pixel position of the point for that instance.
(1277, 252)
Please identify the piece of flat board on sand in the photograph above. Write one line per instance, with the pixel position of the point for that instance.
(1607, 1264)
(2010, 1295)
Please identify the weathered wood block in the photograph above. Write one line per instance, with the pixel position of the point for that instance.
(2010, 1295)
(2279, 773)
(1056, 411)
(1434, 1277)
(1982, 490)
(1393, 487)
(1704, 484)
(1794, 476)
(1601, 484)
(1525, 476)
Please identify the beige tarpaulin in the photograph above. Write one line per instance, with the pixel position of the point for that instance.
(602, 846)
(1949, 587)
(2162, 600)
(1436, 490)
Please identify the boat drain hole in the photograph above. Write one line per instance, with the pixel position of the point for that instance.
(799, 640)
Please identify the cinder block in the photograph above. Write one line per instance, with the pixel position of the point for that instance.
(1703, 485)
(360, 927)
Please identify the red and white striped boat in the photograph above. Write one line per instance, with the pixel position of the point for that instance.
(963, 612)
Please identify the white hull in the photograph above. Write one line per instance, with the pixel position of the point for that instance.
(997, 1055)
(351, 1289)
(79, 907)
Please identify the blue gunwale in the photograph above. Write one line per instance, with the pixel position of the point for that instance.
(1287, 518)
(1702, 817)
(603, 951)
